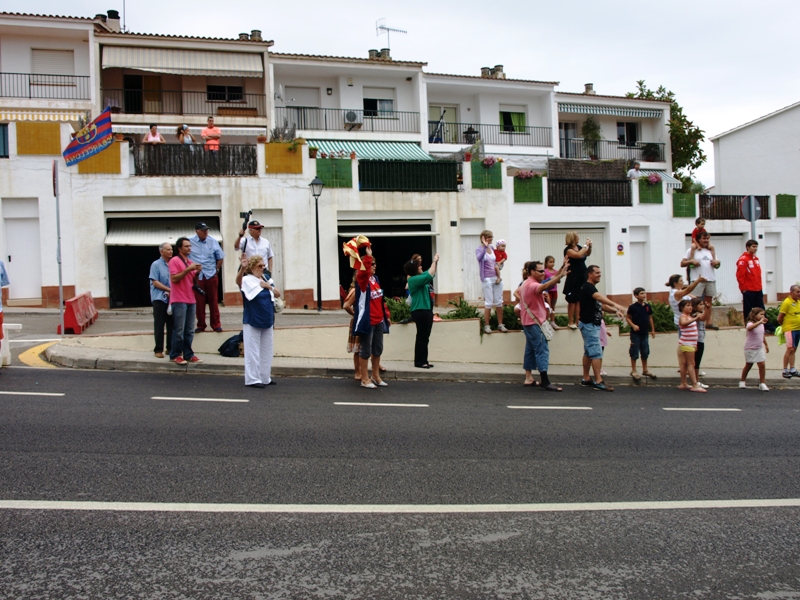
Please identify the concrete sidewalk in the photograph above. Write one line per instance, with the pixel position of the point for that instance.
(79, 354)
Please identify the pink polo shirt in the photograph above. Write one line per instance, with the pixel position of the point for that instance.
(534, 300)
(211, 144)
(182, 290)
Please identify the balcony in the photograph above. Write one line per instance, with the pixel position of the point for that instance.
(160, 102)
(347, 119)
(717, 207)
(612, 150)
(588, 192)
(496, 135)
(44, 87)
(181, 160)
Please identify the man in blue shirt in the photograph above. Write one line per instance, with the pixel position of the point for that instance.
(159, 297)
(206, 252)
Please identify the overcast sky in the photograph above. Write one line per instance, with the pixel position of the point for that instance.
(728, 61)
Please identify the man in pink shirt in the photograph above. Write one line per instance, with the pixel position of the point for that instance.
(532, 312)
(211, 135)
(182, 272)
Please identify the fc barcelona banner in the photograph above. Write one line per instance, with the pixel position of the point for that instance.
(90, 140)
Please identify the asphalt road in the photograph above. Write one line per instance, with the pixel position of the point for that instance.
(107, 440)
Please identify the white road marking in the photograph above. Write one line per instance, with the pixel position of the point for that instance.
(706, 409)
(395, 508)
(551, 407)
(30, 394)
(198, 399)
(380, 404)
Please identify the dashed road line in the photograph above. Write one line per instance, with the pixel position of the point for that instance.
(550, 407)
(705, 409)
(6, 393)
(186, 399)
(381, 404)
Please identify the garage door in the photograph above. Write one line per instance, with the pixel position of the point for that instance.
(550, 242)
(728, 248)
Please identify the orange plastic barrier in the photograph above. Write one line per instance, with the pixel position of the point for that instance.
(79, 313)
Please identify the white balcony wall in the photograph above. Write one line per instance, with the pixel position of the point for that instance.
(319, 85)
(16, 51)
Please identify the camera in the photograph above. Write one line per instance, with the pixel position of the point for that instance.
(245, 215)
(198, 289)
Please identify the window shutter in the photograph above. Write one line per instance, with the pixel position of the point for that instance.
(53, 62)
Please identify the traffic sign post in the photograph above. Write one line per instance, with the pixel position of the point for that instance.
(751, 211)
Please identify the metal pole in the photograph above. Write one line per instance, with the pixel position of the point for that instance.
(752, 217)
(58, 248)
(319, 270)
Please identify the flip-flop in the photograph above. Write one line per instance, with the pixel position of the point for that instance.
(552, 388)
(649, 374)
(684, 387)
(534, 384)
(698, 390)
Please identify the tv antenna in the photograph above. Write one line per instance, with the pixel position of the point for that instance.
(381, 27)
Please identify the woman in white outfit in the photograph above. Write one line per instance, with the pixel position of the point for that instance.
(258, 321)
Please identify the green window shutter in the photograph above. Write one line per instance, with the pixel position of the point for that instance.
(528, 190)
(787, 205)
(487, 179)
(518, 120)
(684, 205)
(335, 172)
(650, 194)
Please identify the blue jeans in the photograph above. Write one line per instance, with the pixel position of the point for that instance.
(183, 316)
(591, 340)
(537, 352)
(640, 344)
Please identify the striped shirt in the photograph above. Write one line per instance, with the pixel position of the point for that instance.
(688, 335)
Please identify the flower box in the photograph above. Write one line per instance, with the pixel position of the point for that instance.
(651, 193)
(528, 190)
(335, 172)
(487, 178)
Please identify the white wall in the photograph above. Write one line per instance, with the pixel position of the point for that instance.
(15, 51)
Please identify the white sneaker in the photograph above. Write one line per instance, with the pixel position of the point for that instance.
(487, 329)
(502, 328)
(742, 385)
(763, 387)
(702, 385)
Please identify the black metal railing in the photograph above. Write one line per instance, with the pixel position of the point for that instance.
(46, 87)
(407, 176)
(499, 135)
(185, 159)
(347, 119)
(161, 102)
(588, 192)
(716, 207)
(611, 150)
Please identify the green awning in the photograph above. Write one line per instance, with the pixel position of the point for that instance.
(614, 111)
(671, 182)
(373, 150)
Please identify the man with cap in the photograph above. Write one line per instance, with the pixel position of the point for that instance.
(207, 253)
(253, 244)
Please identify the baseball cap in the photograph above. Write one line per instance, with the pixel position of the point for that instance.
(200, 226)
(255, 225)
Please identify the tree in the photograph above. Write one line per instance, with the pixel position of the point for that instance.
(684, 135)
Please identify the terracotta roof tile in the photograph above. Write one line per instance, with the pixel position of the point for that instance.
(180, 37)
(493, 79)
(347, 59)
(16, 14)
(582, 95)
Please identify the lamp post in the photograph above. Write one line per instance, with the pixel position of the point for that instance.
(316, 191)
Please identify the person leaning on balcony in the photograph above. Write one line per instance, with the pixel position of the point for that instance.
(576, 276)
(253, 244)
(184, 135)
(635, 173)
(153, 137)
(211, 135)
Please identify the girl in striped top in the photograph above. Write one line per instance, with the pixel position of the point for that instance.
(687, 345)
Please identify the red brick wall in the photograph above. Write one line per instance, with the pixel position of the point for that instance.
(50, 295)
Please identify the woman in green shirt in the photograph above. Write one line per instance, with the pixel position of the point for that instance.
(419, 290)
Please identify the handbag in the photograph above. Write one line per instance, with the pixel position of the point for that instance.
(547, 329)
(278, 302)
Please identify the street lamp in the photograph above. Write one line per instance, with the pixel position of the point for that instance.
(316, 191)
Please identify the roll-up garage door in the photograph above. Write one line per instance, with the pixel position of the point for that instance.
(550, 242)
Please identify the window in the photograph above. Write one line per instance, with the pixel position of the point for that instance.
(3, 141)
(224, 93)
(53, 62)
(627, 133)
(512, 121)
(378, 102)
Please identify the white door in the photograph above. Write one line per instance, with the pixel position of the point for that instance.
(728, 249)
(550, 242)
(769, 271)
(275, 237)
(639, 276)
(23, 258)
(473, 291)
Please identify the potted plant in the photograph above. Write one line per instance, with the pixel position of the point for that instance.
(352, 155)
(591, 133)
(651, 152)
(467, 156)
(261, 139)
(312, 151)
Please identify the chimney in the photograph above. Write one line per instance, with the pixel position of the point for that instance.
(497, 72)
(374, 54)
(101, 17)
(386, 54)
(255, 36)
(486, 72)
(589, 91)
(112, 21)
(244, 36)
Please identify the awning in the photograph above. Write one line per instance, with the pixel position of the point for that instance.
(42, 115)
(153, 232)
(373, 150)
(183, 62)
(671, 182)
(614, 111)
(167, 130)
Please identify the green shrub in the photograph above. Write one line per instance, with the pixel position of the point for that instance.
(663, 317)
(398, 310)
(562, 320)
(510, 319)
(462, 310)
(772, 315)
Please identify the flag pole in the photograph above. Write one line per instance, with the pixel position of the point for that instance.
(58, 249)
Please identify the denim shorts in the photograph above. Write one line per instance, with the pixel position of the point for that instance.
(640, 344)
(591, 340)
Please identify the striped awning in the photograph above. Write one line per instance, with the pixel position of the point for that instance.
(183, 62)
(614, 111)
(167, 130)
(154, 232)
(671, 182)
(42, 115)
(373, 150)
